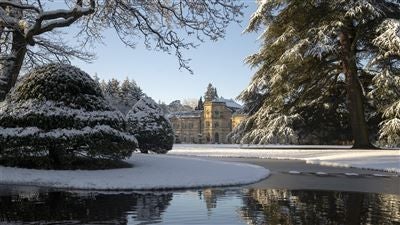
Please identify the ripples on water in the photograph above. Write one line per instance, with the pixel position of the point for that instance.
(28, 205)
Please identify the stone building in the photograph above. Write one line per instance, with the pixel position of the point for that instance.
(210, 125)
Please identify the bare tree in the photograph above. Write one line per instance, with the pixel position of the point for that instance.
(28, 34)
(192, 102)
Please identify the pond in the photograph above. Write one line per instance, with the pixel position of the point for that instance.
(33, 205)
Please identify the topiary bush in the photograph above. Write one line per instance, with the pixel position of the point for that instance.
(56, 115)
(151, 128)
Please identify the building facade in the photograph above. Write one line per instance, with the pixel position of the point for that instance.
(211, 125)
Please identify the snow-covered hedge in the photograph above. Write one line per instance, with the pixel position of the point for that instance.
(151, 128)
(58, 111)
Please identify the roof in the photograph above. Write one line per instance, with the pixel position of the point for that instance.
(230, 103)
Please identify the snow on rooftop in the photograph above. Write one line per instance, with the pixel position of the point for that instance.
(148, 172)
(230, 103)
(340, 156)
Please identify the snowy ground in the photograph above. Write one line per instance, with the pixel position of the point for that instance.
(149, 172)
(342, 156)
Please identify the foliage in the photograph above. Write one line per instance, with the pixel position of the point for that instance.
(211, 93)
(200, 104)
(122, 96)
(174, 106)
(151, 128)
(29, 32)
(57, 112)
(299, 83)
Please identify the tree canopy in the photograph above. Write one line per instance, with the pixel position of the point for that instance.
(211, 93)
(29, 33)
(340, 56)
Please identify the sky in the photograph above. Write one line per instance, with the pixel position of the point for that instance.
(157, 73)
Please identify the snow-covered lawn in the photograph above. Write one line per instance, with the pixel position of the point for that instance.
(343, 156)
(149, 172)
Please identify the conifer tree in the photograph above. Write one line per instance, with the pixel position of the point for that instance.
(211, 93)
(312, 47)
(130, 93)
(148, 124)
(56, 116)
(200, 104)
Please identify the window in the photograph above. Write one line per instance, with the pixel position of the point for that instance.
(216, 124)
(207, 123)
(217, 114)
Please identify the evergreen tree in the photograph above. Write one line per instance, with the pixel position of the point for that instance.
(56, 115)
(211, 93)
(311, 48)
(151, 128)
(130, 93)
(121, 96)
(113, 87)
(200, 104)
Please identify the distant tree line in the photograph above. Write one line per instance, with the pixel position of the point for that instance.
(121, 95)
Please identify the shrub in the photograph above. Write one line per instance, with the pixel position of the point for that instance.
(57, 113)
(151, 128)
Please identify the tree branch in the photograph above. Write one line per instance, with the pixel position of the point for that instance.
(4, 3)
(61, 18)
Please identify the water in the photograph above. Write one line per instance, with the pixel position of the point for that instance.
(30, 205)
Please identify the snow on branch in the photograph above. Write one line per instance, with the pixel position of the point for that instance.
(47, 21)
(6, 20)
(165, 25)
(14, 4)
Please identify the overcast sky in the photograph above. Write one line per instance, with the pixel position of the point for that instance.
(157, 73)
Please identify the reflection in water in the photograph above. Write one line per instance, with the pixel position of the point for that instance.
(208, 206)
(319, 207)
(74, 208)
(210, 197)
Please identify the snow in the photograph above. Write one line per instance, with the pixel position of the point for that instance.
(148, 172)
(339, 156)
(321, 173)
(230, 103)
(52, 108)
(351, 174)
(146, 114)
(62, 133)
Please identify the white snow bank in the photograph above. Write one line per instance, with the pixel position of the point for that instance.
(149, 172)
(341, 156)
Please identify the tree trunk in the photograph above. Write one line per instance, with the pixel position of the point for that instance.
(10, 65)
(355, 95)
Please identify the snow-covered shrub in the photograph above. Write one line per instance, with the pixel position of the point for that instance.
(57, 112)
(151, 128)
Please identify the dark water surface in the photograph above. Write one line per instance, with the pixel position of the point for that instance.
(32, 205)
